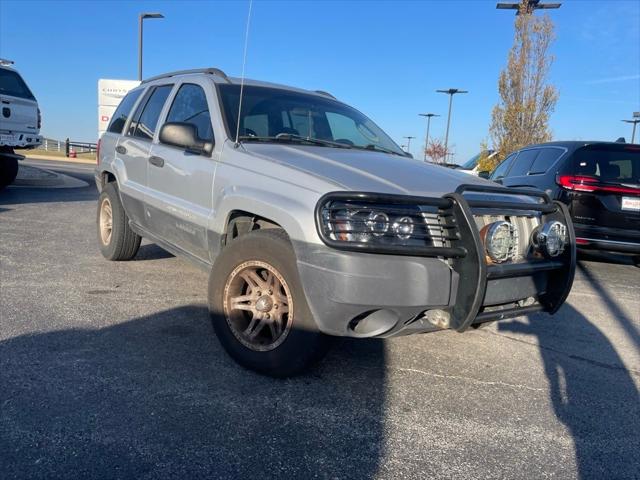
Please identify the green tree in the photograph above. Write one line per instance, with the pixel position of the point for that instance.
(527, 100)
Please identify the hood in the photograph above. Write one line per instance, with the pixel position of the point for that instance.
(358, 170)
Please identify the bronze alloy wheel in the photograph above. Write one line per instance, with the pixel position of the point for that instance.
(106, 221)
(258, 305)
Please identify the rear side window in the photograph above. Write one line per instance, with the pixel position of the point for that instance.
(147, 120)
(190, 106)
(12, 84)
(523, 163)
(123, 111)
(545, 160)
(618, 164)
(501, 169)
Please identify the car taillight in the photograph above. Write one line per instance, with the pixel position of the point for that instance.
(583, 183)
(98, 150)
(39, 119)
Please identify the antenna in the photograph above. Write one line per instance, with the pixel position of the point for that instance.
(244, 61)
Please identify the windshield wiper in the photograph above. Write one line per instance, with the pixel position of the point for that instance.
(378, 148)
(291, 137)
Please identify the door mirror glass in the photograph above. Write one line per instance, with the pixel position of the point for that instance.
(484, 174)
(184, 135)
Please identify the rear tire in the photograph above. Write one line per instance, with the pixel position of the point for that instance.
(8, 170)
(258, 307)
(116, 239)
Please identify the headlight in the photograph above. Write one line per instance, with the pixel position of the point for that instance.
(552, 238)
(500, 241)
(383, 224)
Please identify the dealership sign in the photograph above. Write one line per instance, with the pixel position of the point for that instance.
(110, 93)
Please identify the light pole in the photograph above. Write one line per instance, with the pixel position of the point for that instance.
(451, 92)
(141, 17)
(531, 6)
(635, 121)
(428, 116)
(409, 143)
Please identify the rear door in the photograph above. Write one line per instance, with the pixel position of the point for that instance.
(180, 201)
(19, 109)
(604, 186)
(133, 150)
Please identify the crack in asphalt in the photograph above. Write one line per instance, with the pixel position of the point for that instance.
(471, 379)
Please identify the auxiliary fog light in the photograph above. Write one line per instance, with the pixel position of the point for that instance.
(552, 238)
(500, 240)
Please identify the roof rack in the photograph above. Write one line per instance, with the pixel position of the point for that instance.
(5, 62)
(210, 71)
(326, 94)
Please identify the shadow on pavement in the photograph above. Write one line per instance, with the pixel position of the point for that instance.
(158, 397)
(618, 314)
(591, 390)
(151, 251)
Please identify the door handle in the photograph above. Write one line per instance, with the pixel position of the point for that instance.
(157, 161)
(121, 150)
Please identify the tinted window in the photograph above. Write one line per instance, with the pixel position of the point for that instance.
(615, 164)
(190, 106)
(12, 84)
(523, 163)
(502, 168)
(121, 114)
(545, 159)
(145, 125)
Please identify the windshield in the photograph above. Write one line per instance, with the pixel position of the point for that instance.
(611, 164)
(471, 163)
(268, 113)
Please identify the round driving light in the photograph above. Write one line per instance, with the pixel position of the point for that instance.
(378, 223)
(403, 227)
(552, 238)
(500, 241)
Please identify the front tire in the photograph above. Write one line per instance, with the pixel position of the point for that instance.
(258, 308)
(116, 239)
(8, 170)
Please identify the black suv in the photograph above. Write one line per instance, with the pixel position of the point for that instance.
(599, 181)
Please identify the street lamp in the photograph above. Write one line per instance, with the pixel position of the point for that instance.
(141, 17)
(635, 121)
(451, 92)
(409, 143)
(428, 116)
(531, 6)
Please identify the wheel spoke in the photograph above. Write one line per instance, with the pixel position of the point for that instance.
(255, 325)
(243, 298)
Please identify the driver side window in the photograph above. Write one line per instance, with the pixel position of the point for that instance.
(190, 106)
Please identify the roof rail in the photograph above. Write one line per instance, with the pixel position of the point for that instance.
(5, 62)
(210, 71)
(326, 94)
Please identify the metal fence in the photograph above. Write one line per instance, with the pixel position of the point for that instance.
(65, 146)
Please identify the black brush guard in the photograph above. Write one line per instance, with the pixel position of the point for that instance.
(466, 251)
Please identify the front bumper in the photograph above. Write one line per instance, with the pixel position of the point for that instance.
(376, 295)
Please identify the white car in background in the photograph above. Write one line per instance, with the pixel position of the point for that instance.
(471, 165)
(19, 121)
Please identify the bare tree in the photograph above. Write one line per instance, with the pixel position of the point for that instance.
(526, 99)
(437, 151)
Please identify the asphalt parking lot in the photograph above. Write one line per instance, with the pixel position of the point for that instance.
(111, 370)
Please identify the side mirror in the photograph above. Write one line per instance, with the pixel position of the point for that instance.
(184, 135)
(484, 175)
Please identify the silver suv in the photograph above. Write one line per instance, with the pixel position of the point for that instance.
(314, 224)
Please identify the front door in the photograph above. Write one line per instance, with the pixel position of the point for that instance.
(180, 201)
